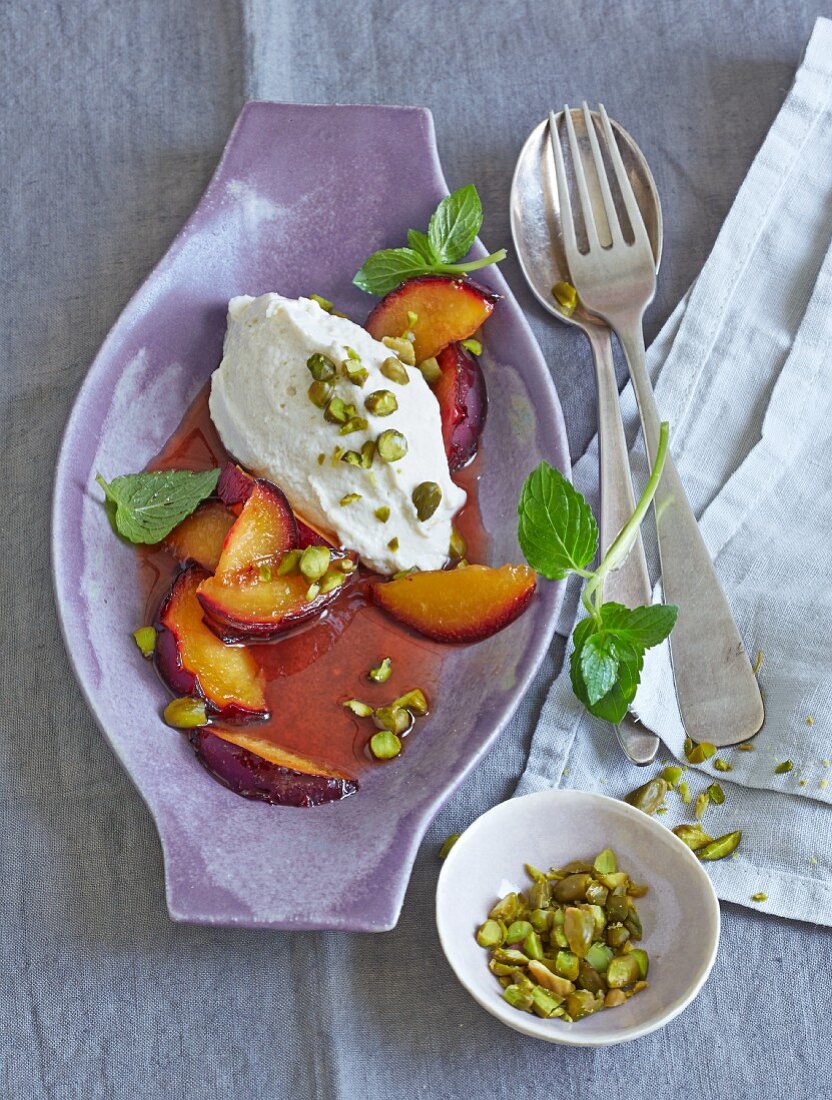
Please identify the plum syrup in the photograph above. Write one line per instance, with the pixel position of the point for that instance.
(310, 671)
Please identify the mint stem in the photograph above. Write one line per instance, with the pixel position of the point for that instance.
(473, 265)
(623, 542)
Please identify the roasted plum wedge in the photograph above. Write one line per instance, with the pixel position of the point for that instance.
(465, 604)
(461, 394)
(257, 769)
(192, 660)
(200, 537)
(446, 310)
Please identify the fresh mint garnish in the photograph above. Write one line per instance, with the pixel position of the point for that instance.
(146, 507)
(558, 536)
(451, 232)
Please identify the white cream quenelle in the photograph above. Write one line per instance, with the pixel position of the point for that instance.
(262, 410)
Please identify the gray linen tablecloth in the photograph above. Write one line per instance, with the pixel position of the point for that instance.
(113, 116)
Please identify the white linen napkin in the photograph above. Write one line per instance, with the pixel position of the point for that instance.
(743, 372)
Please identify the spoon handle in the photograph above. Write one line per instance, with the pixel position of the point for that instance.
(718, 694)
(630, 584)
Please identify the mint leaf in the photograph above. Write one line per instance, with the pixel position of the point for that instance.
(420, 243)
(614, 704)
(385, 270)
(148, 506)
(643, 627)
(557, 530)
(599, 666)
(455, 223)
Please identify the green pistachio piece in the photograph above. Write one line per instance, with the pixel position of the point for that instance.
(355, 371)
(623, 970)
(474, 346)
(402, 347)
(617, 908)
(701, 805)
(391, 445)
(382, 672)
(511, 956)
(698, 754)
(517, 931)
(722, 765)
(368, 453)
(571, 888)
(289, 562)
(597, 893)
(354, 424)
(381, 403)
(566, 296)
(314, 562)
(393, 719)
(544, 1003)
(145, 639)
(331, 581)
(362, 710)
(319, 394)
(382, 514)
(352, 458)
(785, 766)
(567, 965)
(506, 909)
(555, 983)
(321, 367)
(324, 303)
(721, 847)
(393, 544)
(693, 835)
(384, 745)
(186, 713)
(336, 411)
(265, 573)
(671, 775)
(590, 979)
(599, 957)
(649, 796)
(605, 862)
(582, 1003)
(349, 498)
(426, 497)
(458, 547)
(518, 998)
(394, 370)
(643, 961)
(490, 934)
(312, 592)
(540, 894)
(716, 794)
(447, 844)
(414, 701)
(684, 792)
(759, 897)
(539, 920)
(431, 371)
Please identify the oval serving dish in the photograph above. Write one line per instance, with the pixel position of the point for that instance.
(301, 196)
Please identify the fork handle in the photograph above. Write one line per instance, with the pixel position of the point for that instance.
(718, 694)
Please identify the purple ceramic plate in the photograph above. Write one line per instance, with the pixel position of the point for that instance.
(301, 196)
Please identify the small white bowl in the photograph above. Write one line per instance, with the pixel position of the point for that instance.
(680, 912)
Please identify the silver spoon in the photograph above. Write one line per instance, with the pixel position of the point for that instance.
(536, 229)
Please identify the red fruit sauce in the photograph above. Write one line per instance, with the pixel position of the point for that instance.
(311, 670)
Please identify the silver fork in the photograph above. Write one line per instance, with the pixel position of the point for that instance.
(717, 691)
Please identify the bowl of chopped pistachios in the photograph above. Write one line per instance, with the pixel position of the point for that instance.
(568, 916)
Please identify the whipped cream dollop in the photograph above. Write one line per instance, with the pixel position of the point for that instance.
(260, 406)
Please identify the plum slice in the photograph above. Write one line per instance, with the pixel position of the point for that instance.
(264, 529)
(447, 310)
(192, 660)
(462, 404)
(201, 536)
(458, 605)
(235, 487)
(257, 769)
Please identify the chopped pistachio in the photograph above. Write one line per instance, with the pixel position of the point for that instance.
(361, 710)
(354, 424)
(414, 701)
(649, 796)
(346, 565)
(382, 514)
(319, 394)
(698, 754)
(518, 998)
(265, 573)
(759, 897)
(684, 792)
(321, 367)
(384, 745)
(431, 371)
(412, 318)
(810, 721)
(382, 672)
(474, 346)
(517, 931)
(391, 445)
(823, 784)
(458, 547)
(392, 718)
(186, 713)
(312, 592)
(671, 775)
(331, 581)
(314, 562)
(722, 765)
(447, 844)
(426, 497)
(337, 454)
(394, 370)
(782, 768)
(352, 458)
(336, 411)
(393, 545)
(381, 403)
(721, 847)
(702, 801)
(405, 573)
(693, 835)
(716, 794)
(349, 498)
(324, 303)
(145, 639)
(491, 933)
(402, 347)
(355, 371)
(605, 862)
(566, 296)
(289, 562)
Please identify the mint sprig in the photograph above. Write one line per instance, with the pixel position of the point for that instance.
(453, 227)
(145, 508)
(558, 536)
